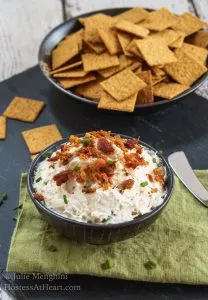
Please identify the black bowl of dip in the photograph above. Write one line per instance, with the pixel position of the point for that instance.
(99, 234)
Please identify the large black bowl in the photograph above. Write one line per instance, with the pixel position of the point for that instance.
(97, 233)
(59, 32)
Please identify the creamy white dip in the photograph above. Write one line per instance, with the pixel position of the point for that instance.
(104, 205)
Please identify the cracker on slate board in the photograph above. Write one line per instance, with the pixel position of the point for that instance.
(108, 102)
(67, 83)
(123, 85)
(198, 53)
(159, 20)
(24, 109)
(134, 15)
(169, 90)
(188, 23)
(37, 139)
(2, 128)
(132, 28)
(160, 53)
(146, 94)
(186, 70)
(93, 62)
(110, 39)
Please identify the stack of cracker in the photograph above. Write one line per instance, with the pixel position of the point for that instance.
(137, 57)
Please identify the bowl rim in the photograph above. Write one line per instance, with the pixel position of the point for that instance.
(136, 220)
(69, 92)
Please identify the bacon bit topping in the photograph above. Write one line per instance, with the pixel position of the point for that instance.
(133, 160)
(74, 140)
(88, 190)
(119, 142)
(150, 177)
(101, 133)
(154, 190)
(159, 175)
(63, 177)
(38, 197)
(139, 149)
(54, 158)
(105, 146)
(131, 143)
(81, 177)
(127, 184)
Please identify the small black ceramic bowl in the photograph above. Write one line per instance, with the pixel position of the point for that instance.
(99, 234)
(58, 33)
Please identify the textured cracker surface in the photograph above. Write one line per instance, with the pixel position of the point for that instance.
(2, 127)
(108, 102)
(168, 90)
(92, 61)
(24, 109)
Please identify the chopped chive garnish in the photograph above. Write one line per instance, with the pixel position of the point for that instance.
(108, 264)
(87, 185)
(85, 141)
(47, 155)
(18, 207)
(144, 183)
(52, 166)
(111, 162)
(4, 196)
(52, 248)
(154, 160)
(105, 220)
(77, 168)
(14, 218)
(65, 199)
(149, 265)
(45, 182)
(39, 179)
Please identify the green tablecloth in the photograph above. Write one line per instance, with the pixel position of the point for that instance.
(177, 243)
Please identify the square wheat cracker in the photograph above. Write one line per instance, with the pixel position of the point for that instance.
(67, 49)
(159, 20)
(179, 42)
(68, 83)
(168, 36)
(108, 102)
(132, 28)
(24, 109)
(199, 39)
(91, 90)
(123, 63)
(78, 72)
(146, 94)
(93, 61)
(186, 70)
(169, 90)
(124, 39)
(94, 47)
(160, 54)
(134, 15)
(123, 85)
(110, 39)
(37, 139)
(66, 68)
(2, 128)
(198, 53)
(188, 24)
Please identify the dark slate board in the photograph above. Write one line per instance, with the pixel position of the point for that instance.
(183, 126)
